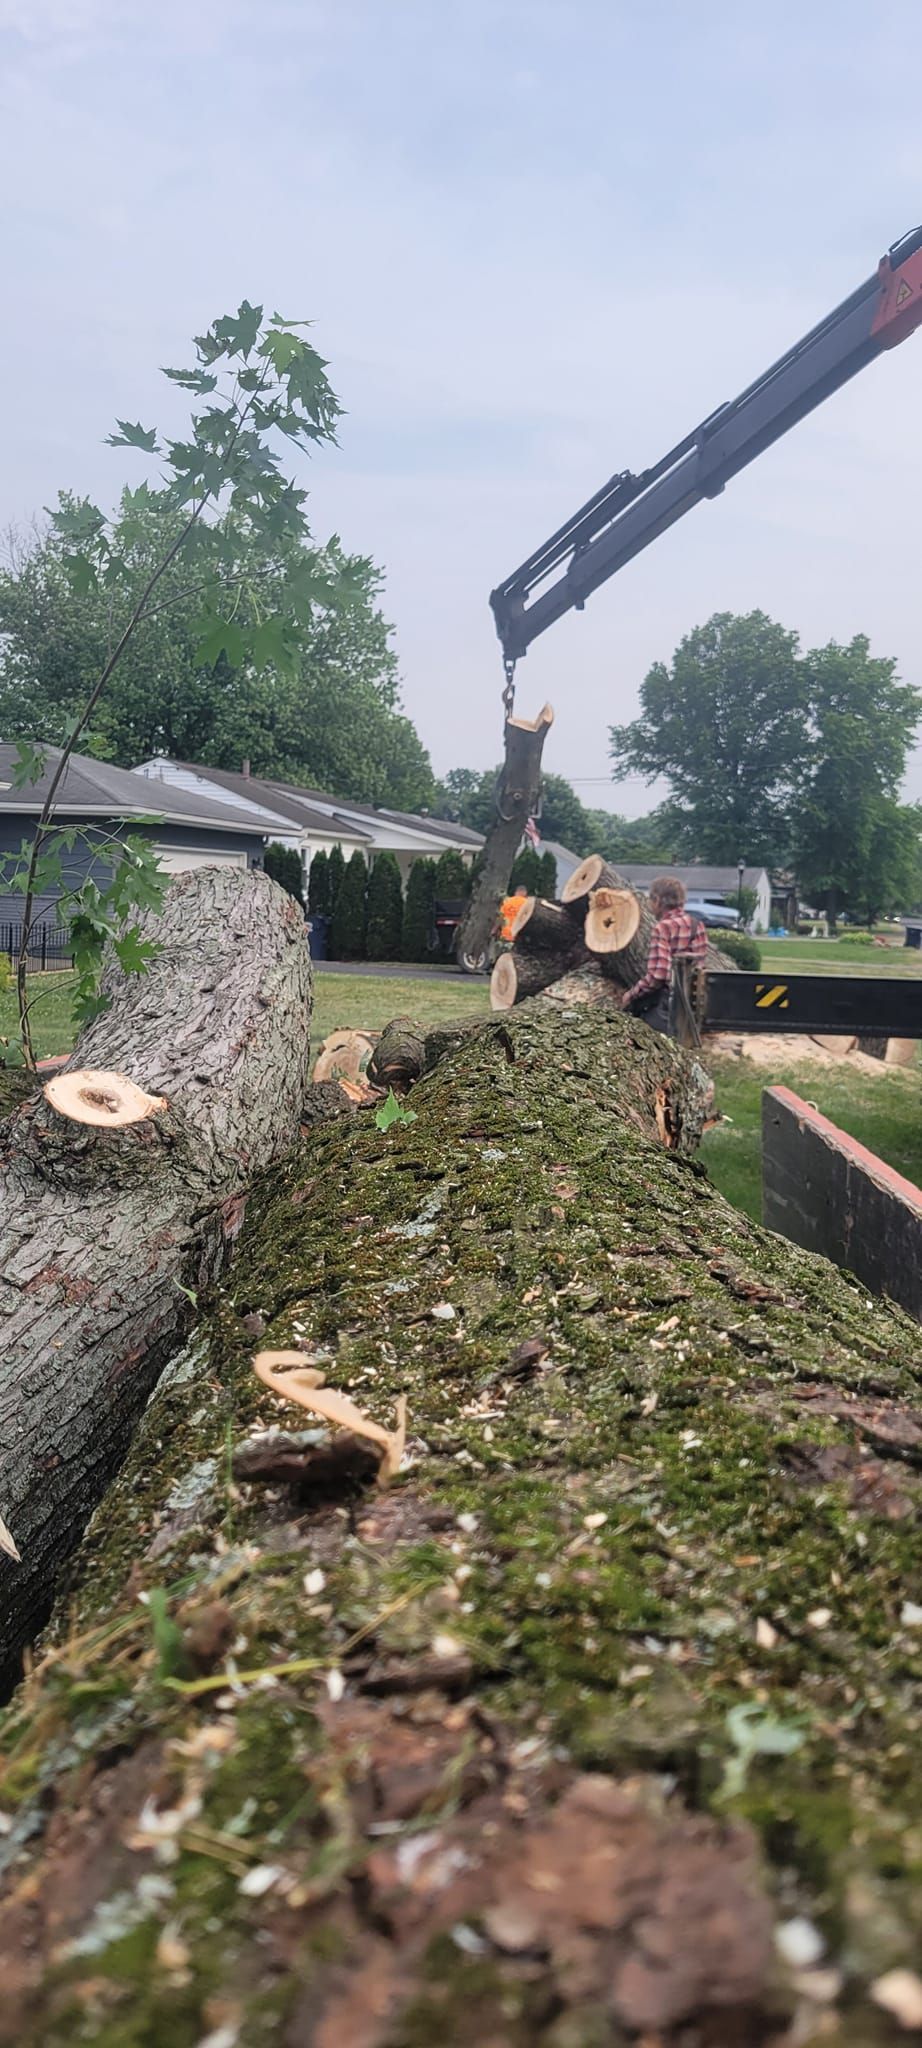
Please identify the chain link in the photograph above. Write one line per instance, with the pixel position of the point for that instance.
(509, 690)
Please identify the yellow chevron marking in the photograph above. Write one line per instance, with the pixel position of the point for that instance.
(767, 998)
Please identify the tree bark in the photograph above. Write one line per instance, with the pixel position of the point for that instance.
(516, 976)
(397, 1060)
(545, 929)
(520, 788)
(540, 1744)
(104, 1232)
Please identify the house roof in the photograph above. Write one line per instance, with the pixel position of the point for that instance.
(97, 789)
(275, 799)
(695, 878)
(316, 811)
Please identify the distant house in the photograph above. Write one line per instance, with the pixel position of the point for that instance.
(186, 829)
(566, 862)
(312, 820)
(722, 884)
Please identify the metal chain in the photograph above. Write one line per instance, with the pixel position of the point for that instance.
(509, 690)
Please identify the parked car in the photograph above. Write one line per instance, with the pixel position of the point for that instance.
(716, 915)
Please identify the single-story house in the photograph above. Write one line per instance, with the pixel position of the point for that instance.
(722, 884)
(312, 820)
(187, 830)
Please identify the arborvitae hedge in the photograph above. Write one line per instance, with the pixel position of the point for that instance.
(452, 876)
(283, 863)
(349, 912)
(319, 890)
(418, 912)
(385, 910)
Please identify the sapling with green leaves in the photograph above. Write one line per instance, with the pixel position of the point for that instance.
(258, 387)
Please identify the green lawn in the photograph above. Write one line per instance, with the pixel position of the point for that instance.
(883, 1111)
(358, 999)
(339, 999)
(840, 956)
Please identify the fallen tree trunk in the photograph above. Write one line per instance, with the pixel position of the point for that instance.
(104, 1232)
(546, 930)
(545, 1743)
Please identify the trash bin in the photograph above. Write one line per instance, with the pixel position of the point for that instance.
(318, 933)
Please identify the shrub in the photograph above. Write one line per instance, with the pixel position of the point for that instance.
(385, 909)
(350, 911)
(419, 912)
(283, 863)
(6, 973)
(740, 947)
(337, 869)
(319, 892)
(528, 873)
(452, 876)
(857, 938)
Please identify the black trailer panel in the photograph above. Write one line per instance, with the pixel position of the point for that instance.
(837, 1006)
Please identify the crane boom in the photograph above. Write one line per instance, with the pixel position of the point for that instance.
(631, 511)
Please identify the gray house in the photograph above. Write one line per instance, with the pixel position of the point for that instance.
(187, 830)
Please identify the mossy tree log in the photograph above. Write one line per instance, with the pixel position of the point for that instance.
(538, 1745)
(103, 1233)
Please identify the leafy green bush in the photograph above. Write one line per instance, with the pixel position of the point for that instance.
(283, 863)
(6, 973)
(419, 912)
(385, 909)
(350, 911)
(528, 873)
(740, 947)
(857, 938)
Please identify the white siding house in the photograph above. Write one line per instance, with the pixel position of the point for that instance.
(313, 821)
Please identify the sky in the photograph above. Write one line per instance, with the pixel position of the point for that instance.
(540, 240)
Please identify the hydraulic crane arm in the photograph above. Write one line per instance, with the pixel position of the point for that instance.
(630, 511)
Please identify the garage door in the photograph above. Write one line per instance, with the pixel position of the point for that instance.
(177, 860)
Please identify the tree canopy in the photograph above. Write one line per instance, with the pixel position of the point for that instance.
(724, 725)
(323, 708)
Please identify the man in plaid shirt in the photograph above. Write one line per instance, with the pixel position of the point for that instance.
(674, 932)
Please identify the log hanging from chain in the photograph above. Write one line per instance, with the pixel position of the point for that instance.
(517, 800)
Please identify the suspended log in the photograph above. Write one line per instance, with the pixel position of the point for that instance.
(599, 1725)
(517, 799)
(592, 873)
(104, 1231)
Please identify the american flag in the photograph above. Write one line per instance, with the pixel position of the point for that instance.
(532, 834)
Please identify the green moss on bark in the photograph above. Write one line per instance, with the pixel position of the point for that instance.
(620, 1533)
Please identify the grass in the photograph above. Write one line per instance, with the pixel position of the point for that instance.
(840, 956)
(360, 1000)
(339, 999)
(884, 1111)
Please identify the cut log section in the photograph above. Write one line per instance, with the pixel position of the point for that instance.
(592, 873)
(611, 920)
(104, 1233)
(344, 1056)
(545, 930)
(397, 1059)
(517, 976)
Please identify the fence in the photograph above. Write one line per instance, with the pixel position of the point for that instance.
(49, 946)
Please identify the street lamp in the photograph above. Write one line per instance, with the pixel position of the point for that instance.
(741, 870)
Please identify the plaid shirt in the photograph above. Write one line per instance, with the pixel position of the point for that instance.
(675, 932)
